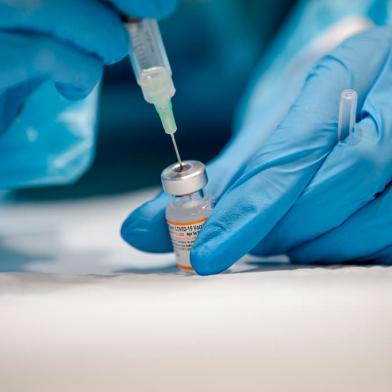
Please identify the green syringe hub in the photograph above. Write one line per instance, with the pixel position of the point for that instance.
(166, 115)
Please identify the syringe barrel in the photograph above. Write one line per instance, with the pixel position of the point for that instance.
(149, 61)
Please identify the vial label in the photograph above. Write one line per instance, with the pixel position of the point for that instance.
(183, 235)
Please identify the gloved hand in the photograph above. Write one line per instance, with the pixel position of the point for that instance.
(67, 41)
(64, 41)
(300, 182)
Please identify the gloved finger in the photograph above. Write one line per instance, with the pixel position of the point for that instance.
(92, 26)
(356, 170)
(74, 73)
(146, 8)
(368, 231)
(279, 172)
(146, 228)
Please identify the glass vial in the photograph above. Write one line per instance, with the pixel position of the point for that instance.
(188, 209)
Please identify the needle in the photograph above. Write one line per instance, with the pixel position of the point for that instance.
(176, 150)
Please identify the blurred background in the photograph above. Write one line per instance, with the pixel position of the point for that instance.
(213, 47)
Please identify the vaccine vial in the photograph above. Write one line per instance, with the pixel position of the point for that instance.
(188, 209)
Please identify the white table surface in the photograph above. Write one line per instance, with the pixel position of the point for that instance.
(81, 311)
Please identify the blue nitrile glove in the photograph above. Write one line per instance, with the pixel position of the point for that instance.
(365, 237)
(44, 137)
(349, 190)
(301, 160)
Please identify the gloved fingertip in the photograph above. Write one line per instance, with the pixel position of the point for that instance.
(137, 219)
(144, 236)
(146, 228)
(205, 262)
(200, 263)
(127, 226)
(132, 231)
(73, 92)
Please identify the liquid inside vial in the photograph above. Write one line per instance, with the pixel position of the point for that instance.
(186, 216)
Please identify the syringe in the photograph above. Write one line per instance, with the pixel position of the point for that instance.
(152, 71)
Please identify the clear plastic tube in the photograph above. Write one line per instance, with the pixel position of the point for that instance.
(152, 68)
(347, 113)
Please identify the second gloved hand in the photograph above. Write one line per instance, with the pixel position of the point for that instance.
(300, 174)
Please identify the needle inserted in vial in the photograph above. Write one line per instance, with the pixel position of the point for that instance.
(176, 150)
